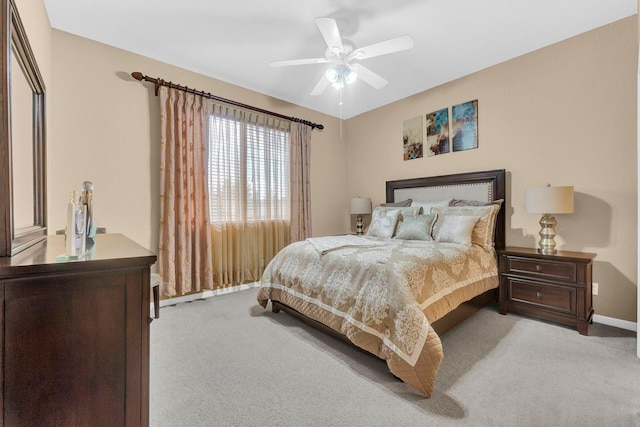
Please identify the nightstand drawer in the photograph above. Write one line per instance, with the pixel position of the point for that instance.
(542, 268)
(557, 298)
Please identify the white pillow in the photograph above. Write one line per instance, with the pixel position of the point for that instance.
(426, 206)
(404, 210)
(456, 229)
(383, 222)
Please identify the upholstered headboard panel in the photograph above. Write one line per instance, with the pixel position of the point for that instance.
(482, 186)
(480, 191)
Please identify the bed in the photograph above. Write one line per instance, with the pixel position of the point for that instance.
(392, 291)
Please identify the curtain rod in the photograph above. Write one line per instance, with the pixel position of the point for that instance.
(160, 82)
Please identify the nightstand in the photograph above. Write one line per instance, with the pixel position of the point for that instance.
(554, 287)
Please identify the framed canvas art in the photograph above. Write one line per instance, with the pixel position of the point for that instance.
(464, 129)
(438, 132)
(412, 138)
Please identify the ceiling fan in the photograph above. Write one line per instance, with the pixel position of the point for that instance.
(341, 53)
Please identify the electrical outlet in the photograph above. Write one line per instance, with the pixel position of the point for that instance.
(594, 288)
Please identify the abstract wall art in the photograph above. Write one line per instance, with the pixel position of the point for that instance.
(464, 129)
(438, 132)
(412, 139)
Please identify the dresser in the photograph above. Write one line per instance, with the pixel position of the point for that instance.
(75, 336)
(553, 287)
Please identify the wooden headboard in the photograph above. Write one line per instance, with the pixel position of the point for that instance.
(484, 186)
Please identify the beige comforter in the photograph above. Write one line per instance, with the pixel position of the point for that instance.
(381, 293)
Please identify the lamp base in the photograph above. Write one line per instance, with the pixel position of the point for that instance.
(547, 244)
(359, 225)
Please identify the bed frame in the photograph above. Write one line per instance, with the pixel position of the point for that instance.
(484, 186)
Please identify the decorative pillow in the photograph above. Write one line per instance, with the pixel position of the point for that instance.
(426, 206)
(383, 222)
(403, 203)
(461, 202)
(456, 229)
(483, 231)
(404, 210)
(417, 227)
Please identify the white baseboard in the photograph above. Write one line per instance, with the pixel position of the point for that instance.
(618, 323)
(206, 294)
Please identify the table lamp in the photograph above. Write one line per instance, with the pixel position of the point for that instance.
(360, 206)
(548, 201)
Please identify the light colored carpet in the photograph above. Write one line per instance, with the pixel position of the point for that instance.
(225, 361)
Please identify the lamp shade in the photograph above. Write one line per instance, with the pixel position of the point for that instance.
(360, 205)
(549, 200)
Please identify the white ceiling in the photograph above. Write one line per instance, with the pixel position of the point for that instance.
(235, 40)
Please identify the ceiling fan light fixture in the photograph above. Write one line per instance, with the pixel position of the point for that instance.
(350, 76)
(332, 74)
(339, 76)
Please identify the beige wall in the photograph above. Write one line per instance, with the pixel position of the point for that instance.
(104, 127)
(564, 115)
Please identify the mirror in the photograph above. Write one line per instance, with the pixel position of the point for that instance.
(22, 140)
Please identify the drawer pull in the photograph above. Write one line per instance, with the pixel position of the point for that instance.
(538, 267)
(538, 295)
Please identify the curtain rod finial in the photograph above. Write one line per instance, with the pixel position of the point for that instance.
(137, 75)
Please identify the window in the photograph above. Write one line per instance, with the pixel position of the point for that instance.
(248, 171)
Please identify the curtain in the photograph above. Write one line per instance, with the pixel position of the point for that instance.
(185, 251)
(300, 182)
(249, 192)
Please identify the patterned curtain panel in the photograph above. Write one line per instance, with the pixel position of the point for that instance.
(249, 190)
(300, 181)
(185, 253)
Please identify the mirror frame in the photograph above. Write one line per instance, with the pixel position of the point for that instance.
(12, 240)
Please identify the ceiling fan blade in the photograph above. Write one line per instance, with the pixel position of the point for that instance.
(329, 30)
(388, 46)
(320, 86)
(369, 76)
(298, 62)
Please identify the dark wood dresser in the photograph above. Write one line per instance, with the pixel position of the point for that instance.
(75, 335)
(554, 287)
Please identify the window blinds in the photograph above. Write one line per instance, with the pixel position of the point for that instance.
(248, 167)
